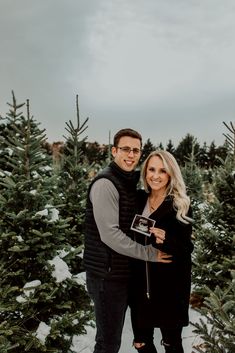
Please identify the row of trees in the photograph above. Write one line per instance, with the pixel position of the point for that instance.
(43, 301)
(206, 156)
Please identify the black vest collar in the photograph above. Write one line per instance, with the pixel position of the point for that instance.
(130, 178)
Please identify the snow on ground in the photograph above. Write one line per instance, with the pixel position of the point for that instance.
(85, 344)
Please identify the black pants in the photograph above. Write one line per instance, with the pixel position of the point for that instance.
(171, 339)
(110, 304)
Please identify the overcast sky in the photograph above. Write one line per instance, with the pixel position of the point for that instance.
(163, 67)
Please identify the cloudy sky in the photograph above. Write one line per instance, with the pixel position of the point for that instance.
(163, 67)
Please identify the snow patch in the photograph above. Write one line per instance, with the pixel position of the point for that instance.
(80, 278)
(61, 271)
(19, 238)
(50, 211)
(28, 289)
(42, 332)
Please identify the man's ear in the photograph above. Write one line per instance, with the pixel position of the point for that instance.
(114, 151)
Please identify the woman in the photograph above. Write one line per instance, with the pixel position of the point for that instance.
(160, 291)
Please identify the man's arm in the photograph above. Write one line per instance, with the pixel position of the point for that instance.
(105, 199)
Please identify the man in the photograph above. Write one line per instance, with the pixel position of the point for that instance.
(110, 210)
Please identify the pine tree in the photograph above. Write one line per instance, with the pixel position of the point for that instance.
(148, 147)
(73, 179)
(217, 327)
(42, 308)
(185, 148)
(170, 147)
(72, 182)
(216, 231)
(203, 156)
(193, 177)
(230, 137)
(214, 263)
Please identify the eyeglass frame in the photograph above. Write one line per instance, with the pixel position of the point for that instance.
(128, 150)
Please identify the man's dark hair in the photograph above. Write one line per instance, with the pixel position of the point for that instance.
(126, 132)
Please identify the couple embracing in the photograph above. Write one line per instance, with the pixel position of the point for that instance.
(149, 272)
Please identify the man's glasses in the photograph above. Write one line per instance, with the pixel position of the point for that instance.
(128, 150)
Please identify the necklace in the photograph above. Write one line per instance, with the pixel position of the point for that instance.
(154, 204)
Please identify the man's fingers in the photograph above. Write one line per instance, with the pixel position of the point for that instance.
(163, 257)
(166, 261)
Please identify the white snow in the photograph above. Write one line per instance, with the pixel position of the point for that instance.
(62, 253)
(80, 278)
(33, 192)
(43, 331)
(42, 213)
(46, 168)
(207, 226)
(28, 288)
(51, 211)
(61, 270)
(54, 213)
(19, 238)
(9, 151)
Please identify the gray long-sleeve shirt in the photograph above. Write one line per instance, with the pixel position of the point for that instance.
(105, 200)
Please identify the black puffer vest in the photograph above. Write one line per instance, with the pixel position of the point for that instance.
(99, 259)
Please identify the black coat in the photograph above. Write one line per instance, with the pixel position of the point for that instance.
(169, 284)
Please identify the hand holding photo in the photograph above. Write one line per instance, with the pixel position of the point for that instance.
(142, 224)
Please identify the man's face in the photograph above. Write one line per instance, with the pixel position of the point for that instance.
(127, 153)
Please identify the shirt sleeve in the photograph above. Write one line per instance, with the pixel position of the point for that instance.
(105, 200)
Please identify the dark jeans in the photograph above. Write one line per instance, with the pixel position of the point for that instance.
(110, 303)
(171, 339)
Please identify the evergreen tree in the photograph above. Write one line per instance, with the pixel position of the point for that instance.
(203, 156)
(185, 148)
(160, 146)
(216, 154)
(214, 263)
(215, 231)
(73, 179)
(170, 147)
(148, 147)
(218, 332)
(230, 137)
(193, 179)
(42, 307)
(222, 152)
(212, 155)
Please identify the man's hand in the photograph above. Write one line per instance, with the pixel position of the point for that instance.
(163, 257)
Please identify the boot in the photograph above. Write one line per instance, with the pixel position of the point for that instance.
(147, 348)
(177, 348)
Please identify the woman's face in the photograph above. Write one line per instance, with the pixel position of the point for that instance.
(156, 175)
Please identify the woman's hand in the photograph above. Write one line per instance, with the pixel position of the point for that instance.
(159, 234)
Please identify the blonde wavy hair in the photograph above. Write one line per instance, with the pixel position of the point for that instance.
(176, 187)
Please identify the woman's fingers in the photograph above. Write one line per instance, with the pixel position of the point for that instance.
(159, 234)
